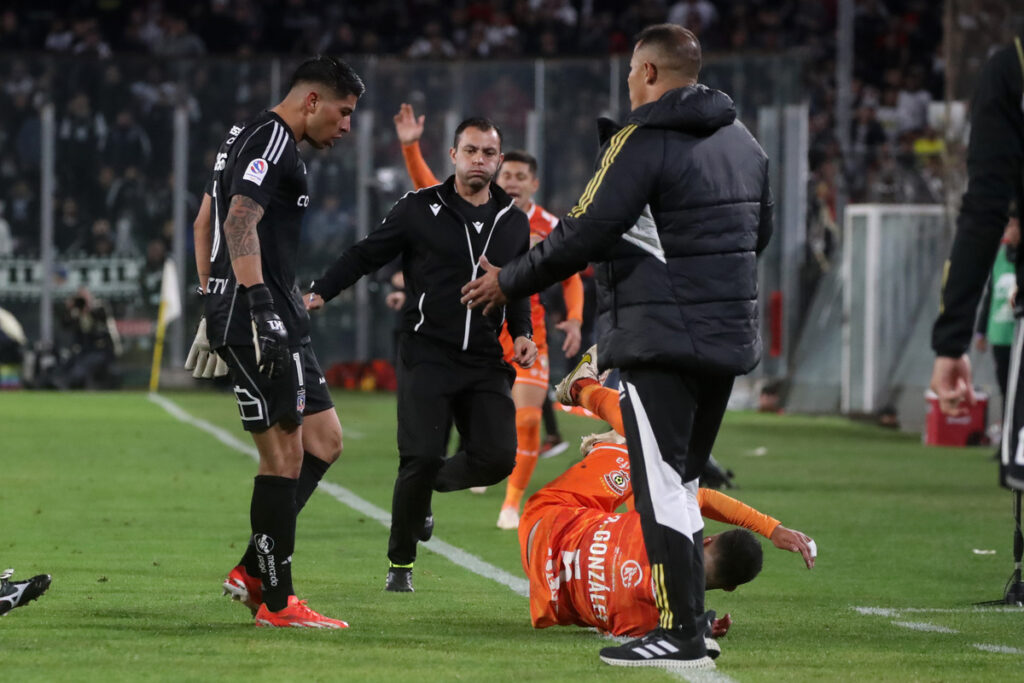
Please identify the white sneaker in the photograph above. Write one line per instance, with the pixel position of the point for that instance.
(478, 489)
(586, 368)
(508, 518)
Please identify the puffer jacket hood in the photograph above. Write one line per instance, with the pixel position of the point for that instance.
(695, 109)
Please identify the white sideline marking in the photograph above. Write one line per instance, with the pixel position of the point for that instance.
(1001, 649)
(456, 555)
(896, 611)
(935, 628)
(924, 626)
(343, 495)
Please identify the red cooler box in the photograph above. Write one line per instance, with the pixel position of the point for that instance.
(961, 430)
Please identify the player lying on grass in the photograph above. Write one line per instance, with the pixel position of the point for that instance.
(18, 593)
(587, 563)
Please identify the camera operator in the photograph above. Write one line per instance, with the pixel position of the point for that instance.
(94, 345)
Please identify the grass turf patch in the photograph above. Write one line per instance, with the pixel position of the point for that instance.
(139, 517)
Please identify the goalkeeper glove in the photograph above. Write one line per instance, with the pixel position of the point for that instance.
(268, 333)
(202, 360)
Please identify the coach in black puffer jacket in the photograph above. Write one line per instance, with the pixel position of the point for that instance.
(674, 218)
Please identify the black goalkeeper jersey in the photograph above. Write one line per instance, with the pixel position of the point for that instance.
(260, 160)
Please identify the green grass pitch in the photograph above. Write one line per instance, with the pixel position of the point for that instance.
(138, 516)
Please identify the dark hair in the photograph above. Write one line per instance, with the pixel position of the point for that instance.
(523, 157)
(480, 123)
(739, 557)
(679, 46)
(331, 72)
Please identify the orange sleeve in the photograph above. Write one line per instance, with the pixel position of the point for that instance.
(572, 290)
(417, 167)
(722, 508)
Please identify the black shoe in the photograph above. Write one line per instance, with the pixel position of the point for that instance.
(17, 593)
(661, 649)
(428, 528)
(399, 580)
(704, 624)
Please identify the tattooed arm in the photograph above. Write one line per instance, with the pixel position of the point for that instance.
(243, 241)
(203, 234)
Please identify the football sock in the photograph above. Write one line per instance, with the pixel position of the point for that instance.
(313, 470)
(528, 438)
(602, 402)
(272, 515)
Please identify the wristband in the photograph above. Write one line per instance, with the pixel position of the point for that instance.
(259, 297)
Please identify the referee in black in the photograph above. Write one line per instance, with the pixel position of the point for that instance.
(247, 235)
(673, 218)
(995, 179)
(450, 366)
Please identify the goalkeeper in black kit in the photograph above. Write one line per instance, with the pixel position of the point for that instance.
(995, 168)
(247, 242)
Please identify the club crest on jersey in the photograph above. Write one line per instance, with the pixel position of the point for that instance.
(631, 574)
(617, 481)
(300, 401)
(256, 171)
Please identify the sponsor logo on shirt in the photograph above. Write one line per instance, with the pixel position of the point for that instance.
(631, 573)
(256, 171)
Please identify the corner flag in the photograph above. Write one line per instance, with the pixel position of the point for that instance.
(170, 309)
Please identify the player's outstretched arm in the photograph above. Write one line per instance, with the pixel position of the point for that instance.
(795, 541)
(410, 129)
(408, 126)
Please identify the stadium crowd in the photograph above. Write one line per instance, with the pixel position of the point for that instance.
(116, 70)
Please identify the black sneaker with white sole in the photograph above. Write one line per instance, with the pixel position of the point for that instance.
(17, 593)
(662, 649)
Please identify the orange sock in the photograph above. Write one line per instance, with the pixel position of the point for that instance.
(528, 435)
(604, 403)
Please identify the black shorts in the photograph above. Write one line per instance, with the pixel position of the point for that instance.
(299, 390)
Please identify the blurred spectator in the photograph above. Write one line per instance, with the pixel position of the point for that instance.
(341, 42)
(13, 36)
(912, 102)
(19, 81)
(81, 133)
(151, 277)
(69, 227)
(127, 143)
(112, 92)
(697, 15)
(22, 215)
(60, 38)
(866, 134)
(432, 44)
(88, 42)
(177, 40)
(6, 236)
(98, 241)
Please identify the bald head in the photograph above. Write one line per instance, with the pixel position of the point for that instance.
(673, 48)
(666, 57)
